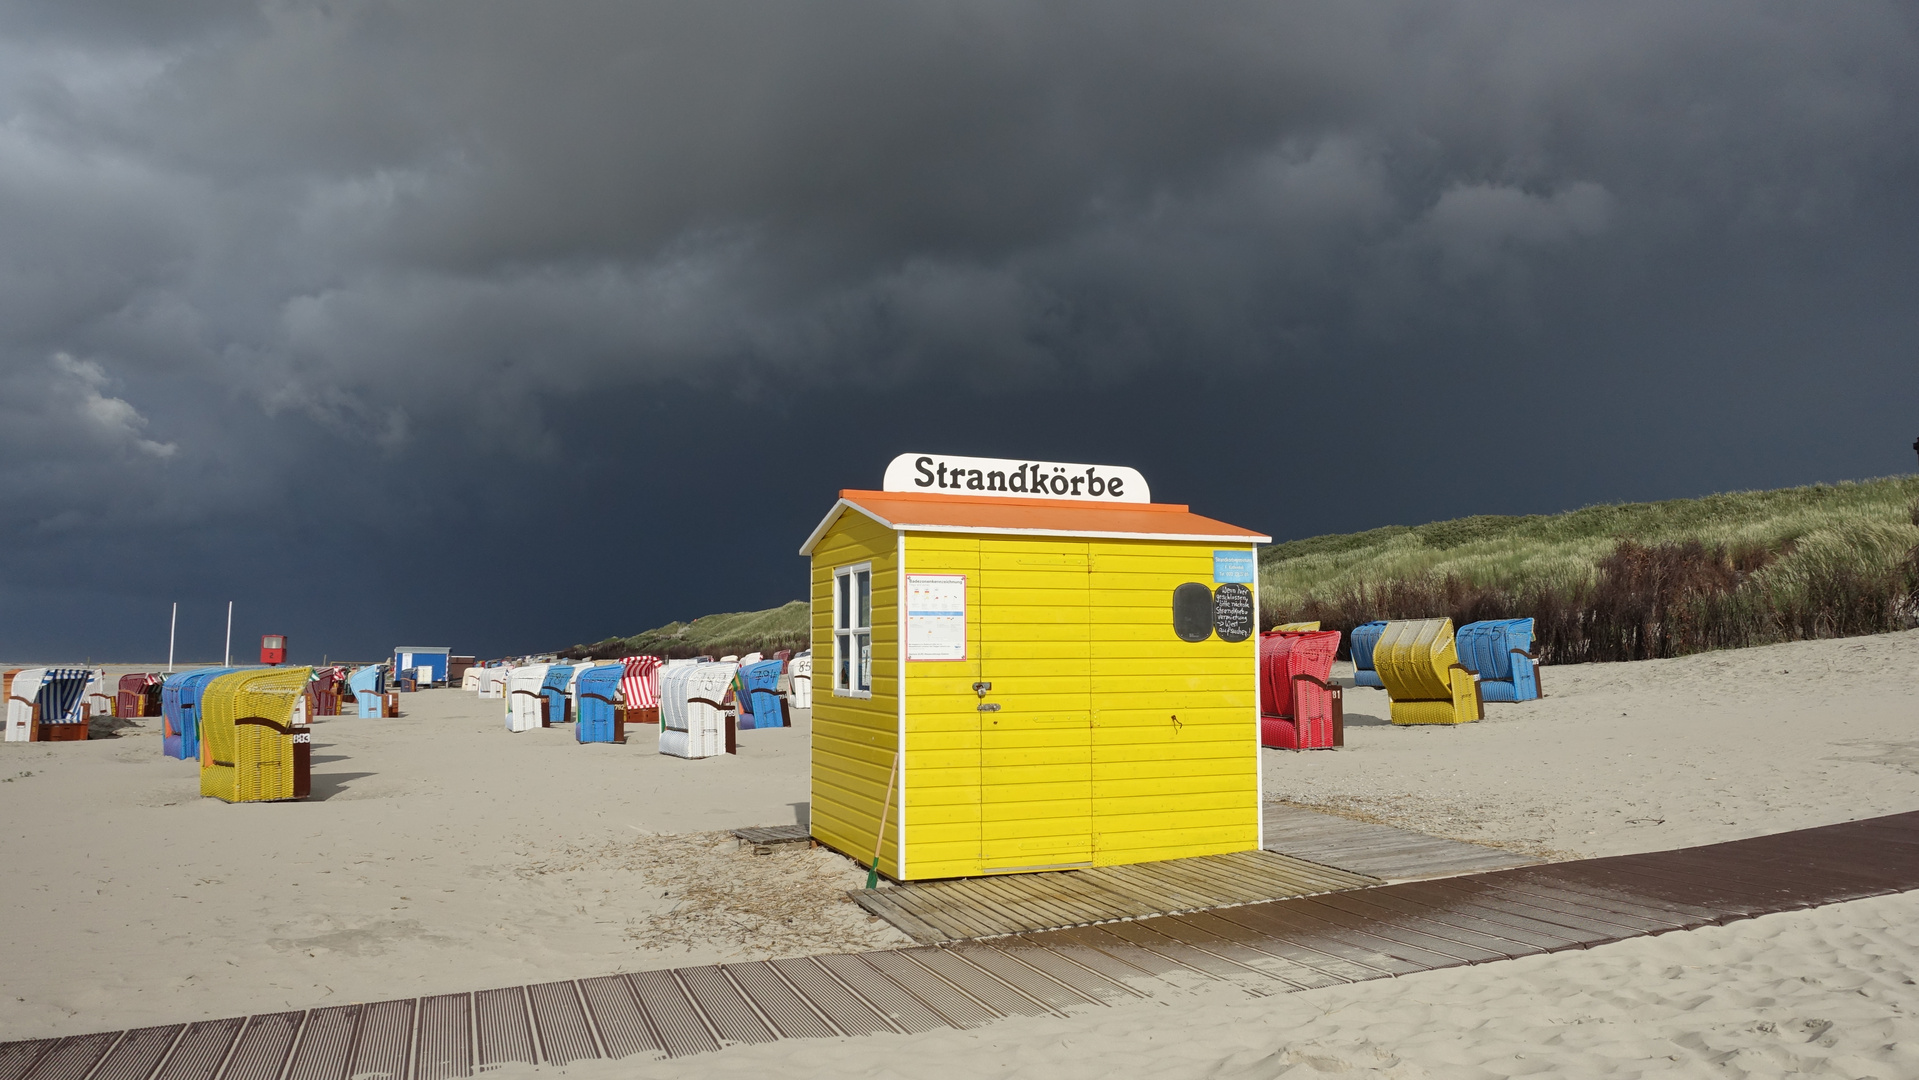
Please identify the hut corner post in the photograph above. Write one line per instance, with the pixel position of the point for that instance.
(879, 838)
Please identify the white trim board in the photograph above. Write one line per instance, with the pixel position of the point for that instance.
(986, 530)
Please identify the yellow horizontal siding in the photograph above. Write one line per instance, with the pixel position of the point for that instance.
(942, 735)
(1165, 791)
(854, 738)
(1097, 667)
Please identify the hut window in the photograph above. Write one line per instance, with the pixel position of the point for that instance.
(853, 630)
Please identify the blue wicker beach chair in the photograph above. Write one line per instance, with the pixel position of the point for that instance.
(758, 690)
(180, 710)
(367, 686)
(1365, 636)
(559, 707)
(599, 717)
(1500, 651)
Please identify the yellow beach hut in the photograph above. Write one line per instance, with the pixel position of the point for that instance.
(1029, 666)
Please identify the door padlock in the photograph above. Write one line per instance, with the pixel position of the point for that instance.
(981, 688)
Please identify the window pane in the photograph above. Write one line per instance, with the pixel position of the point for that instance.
(866, 661)
(843, 657)
(866, 599)
(845, 605)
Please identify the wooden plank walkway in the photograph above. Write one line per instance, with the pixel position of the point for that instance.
(1263, 949)
(933, 912)
(1379, 851)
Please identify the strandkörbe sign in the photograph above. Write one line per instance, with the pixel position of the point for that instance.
(1018, 479)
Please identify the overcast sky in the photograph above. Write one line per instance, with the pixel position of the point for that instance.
(507, 325)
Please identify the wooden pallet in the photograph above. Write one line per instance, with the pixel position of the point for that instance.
(768, 835)
(964, 908)
(1262, 949)
(1380, 851)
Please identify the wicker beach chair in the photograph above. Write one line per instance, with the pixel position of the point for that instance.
(697, 710)
(1300, 707)
(1364, 637)
(1419, 665)
(640, 689)
(253, 735)
(602, 713)
(757, 690)
(525, 701)
(1500, 652)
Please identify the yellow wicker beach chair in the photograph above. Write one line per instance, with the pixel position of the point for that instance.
(253, 737)
(1296, 628)
(1420, 668)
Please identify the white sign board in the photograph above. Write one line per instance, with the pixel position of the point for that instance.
(1015, 478)
(936, 616)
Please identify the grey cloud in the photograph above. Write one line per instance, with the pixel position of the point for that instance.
(1474, 224)
(653, 188)
(400, 245)
(104, 420)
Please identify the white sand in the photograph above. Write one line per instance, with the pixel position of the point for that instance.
(441, 853)
(1637, 757)
(444, 853)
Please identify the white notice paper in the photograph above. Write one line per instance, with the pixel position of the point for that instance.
(936, 616)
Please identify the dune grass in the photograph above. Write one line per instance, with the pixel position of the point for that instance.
(1633, 580)
(788, 626)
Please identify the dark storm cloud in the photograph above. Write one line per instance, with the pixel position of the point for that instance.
(253, 251)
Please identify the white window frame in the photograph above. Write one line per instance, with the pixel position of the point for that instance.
(852, 645)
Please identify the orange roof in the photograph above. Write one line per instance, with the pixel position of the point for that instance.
(915, 511)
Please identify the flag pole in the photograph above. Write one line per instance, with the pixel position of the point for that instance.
(229, 662)
(172, 626)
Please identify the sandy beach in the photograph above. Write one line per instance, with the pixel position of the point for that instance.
(443, 853)
(440, 852)
(1632, 757)
(1822, 993)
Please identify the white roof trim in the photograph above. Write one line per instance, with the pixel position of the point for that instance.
(986, 530)
(833, 515)
(1101, 535)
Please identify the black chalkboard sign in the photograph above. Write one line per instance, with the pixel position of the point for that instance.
(1233, 612)
(1193, 612)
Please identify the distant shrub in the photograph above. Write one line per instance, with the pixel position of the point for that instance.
(786, 627)
(1825, 561)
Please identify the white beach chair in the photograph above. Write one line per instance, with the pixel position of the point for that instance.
(525, 704)
(695, 710)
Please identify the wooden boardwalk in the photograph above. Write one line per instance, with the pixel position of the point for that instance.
(939, 911)
(1263, 949)
(1379, 851)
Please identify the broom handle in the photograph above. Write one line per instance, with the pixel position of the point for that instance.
(879, 839)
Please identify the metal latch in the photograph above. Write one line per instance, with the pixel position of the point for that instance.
(981, 688)
(991, 706)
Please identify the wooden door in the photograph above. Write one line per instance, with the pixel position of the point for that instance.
(1036, 779)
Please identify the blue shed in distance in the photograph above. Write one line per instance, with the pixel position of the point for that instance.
(408, 657)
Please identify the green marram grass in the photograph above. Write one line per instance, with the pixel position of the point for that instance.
(1808, 532)
(788, 626)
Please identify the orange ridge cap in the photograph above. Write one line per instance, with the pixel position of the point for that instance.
(854, 495)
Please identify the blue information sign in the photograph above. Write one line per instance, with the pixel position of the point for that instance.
(1235, 567)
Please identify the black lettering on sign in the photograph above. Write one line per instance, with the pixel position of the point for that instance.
(1233, 612)
(1193, 611)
